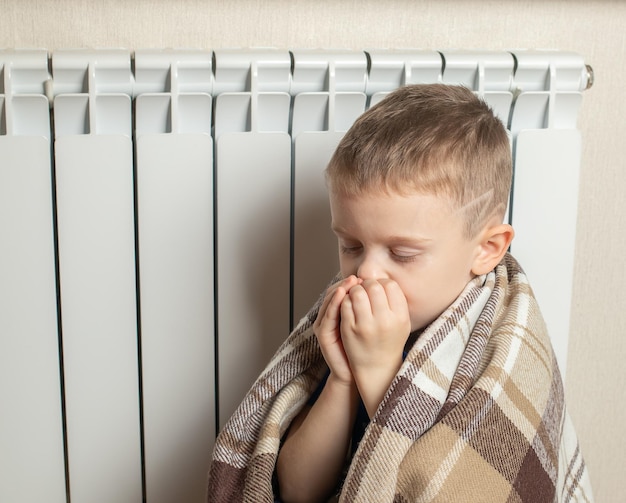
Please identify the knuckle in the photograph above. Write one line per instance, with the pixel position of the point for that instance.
(373, 287)
(358, 291)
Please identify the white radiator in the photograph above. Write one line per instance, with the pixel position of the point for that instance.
(161, 234)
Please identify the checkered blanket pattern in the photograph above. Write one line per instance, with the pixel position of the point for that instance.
(475, 414)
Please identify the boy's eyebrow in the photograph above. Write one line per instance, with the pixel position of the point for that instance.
(408, 240)
(336, 229)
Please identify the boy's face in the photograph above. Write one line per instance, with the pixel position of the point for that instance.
(416, 240)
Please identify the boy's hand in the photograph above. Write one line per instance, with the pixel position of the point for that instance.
(375, 325)
(327, 329)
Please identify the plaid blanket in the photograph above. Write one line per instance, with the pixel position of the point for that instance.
(476, 413)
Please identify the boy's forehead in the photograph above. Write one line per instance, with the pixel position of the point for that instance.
(392, 208)
(410, 197)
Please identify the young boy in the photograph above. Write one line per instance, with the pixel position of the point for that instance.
(436, 380)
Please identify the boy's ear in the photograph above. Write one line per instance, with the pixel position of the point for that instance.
(494, 243)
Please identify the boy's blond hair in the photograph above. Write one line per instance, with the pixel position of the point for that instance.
(434, 139)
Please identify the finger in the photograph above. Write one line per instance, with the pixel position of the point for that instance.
(377, 296)
(329, 309)
(360, 304)
(334, 296)
(347, 312)
(332, 311)
(394, 294)
(345, 284)
(350, 281)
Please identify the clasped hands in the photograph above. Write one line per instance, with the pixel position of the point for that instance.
(362, 327)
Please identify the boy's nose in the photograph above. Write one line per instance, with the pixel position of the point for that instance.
(369, 269)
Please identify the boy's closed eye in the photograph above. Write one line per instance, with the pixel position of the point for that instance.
(399, 254)
(350, 248)
(405, 254)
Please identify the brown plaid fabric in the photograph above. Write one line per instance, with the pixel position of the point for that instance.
(475, 414)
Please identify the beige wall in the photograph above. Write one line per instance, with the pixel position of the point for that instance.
(596, 373)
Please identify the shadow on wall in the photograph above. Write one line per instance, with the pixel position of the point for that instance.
(315, 264)
(315, 253)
